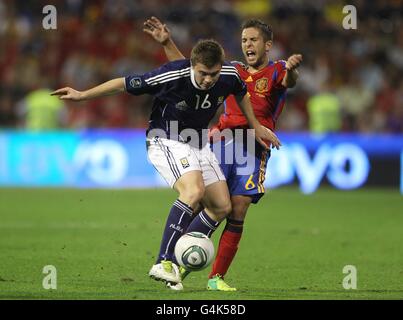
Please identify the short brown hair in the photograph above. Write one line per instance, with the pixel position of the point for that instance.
(207, 52)
(264, 28)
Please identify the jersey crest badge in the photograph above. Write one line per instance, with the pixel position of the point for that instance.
(185, 163)
(135, 82)
(262, 85)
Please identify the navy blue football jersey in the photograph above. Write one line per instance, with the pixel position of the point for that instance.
(177, 97)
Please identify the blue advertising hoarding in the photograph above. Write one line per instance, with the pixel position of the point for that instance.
(118, 159)
(345, 161)
(76, 159)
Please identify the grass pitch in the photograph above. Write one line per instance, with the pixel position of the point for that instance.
(103, 242)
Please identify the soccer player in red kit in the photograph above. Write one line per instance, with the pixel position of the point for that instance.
(267, 82)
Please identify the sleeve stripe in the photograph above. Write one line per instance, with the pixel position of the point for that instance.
(171, 78)
(168, 75)
(229, 68)
(165, 74)
(228, 71)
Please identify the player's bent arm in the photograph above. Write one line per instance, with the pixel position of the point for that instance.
(261, 133)
(213, 122)
(160, 33)
(290, 78)
(110, 87)
(246, 108)
(172, 52)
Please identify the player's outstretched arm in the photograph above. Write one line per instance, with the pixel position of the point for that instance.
(105, 89)
(291, 76)
(261, 133)
(160, 33)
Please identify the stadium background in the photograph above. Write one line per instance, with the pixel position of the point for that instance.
(100, 144)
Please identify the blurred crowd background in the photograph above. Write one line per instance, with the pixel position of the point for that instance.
(350, 80)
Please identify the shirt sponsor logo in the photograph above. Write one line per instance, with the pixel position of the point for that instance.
(175, 227)
(182, 105)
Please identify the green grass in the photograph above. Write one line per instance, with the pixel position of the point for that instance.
(103, 243)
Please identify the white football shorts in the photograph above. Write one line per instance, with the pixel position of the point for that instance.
(172, 159)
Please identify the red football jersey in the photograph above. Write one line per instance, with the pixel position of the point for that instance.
(266, 93)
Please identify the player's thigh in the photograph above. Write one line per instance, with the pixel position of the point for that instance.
(249, 180)
(210, 166)
(172, 159)
(216, 200)
(240, 205)
(191, 184)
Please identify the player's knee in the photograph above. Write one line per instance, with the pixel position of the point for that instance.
(223, 211)
(238, 214)
(239, 210)
(193, 194)
(227, 209)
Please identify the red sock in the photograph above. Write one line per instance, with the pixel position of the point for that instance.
(227, 249)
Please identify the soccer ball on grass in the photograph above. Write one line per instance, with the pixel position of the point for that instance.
(194, 251)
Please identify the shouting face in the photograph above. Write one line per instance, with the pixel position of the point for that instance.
(254, 48)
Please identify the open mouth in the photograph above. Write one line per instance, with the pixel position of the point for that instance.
(250, 54)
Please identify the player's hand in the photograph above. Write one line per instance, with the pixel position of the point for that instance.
(264, 134)
(293, 62)
(159, 31)
(68, 94)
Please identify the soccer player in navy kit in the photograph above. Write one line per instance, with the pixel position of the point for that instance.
(267, 82)
(187, 95)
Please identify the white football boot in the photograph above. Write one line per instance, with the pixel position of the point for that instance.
(183, 273)
(165, 271)
(175, 287)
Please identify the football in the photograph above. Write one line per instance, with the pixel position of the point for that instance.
(194, 251)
